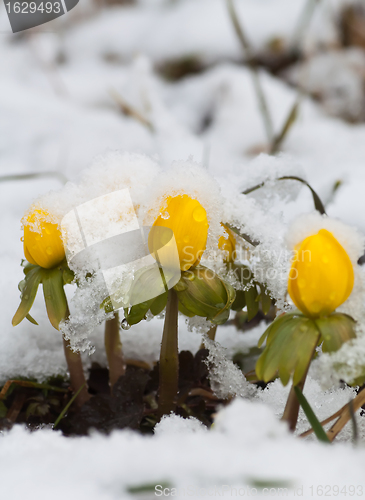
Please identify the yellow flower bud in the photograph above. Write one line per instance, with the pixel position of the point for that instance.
(322, 276)
(228, 244)
(43, 244)
(188, 220)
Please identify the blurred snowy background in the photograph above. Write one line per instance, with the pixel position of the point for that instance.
(169, 78)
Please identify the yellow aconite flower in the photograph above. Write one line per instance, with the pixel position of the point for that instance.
(228, 245)
(188, 220)
(42, 240)
(322, 276)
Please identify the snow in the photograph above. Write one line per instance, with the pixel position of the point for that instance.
(247, 440)
(226, 379)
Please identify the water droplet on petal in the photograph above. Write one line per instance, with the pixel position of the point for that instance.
(325, 259)
(186, 239)
(47, 230)
(37, 236)
(165, 215)
(125, 325)
(49, 251)
(199, 214)
(22, 238)
(332, 295)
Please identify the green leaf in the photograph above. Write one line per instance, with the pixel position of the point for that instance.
(32, 320)
(294, 353)
(316, 199)
(240, 301)
(290, 342)
(336, 329)
(244, 274)
(137, 312)
(265, 299)
(28, 267)
(32, 281)
(312, 419)
(270, 335)
(159, 304)
(274, 325)
(54, 296)
(273, 351)
(305, 350)
(252, 303)
(68, 276)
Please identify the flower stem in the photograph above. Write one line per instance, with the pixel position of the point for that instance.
(291, 411)
(169, 358)
(292, 406)
(113, 349)
(76, 371)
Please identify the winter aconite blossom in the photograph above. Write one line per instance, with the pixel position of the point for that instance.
(187, 218)
(322, 276)
(228, 244)
(43, 244)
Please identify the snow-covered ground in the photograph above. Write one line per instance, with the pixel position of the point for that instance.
(59, 92)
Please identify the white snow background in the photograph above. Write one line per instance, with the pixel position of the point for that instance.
(57, 112)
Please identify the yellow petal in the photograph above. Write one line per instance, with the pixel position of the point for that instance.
(188, 220)
(322, 276)
(42, 244)
(228, 244)
(28, 257)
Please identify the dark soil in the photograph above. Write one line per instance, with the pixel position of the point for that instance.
(132, 403)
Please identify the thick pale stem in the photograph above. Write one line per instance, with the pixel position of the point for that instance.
(76, 371)
(169, 358)
(291, 411)
(113, 349)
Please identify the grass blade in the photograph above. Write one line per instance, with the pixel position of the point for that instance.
(316, 199)
(313, 420)
(63, 412)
